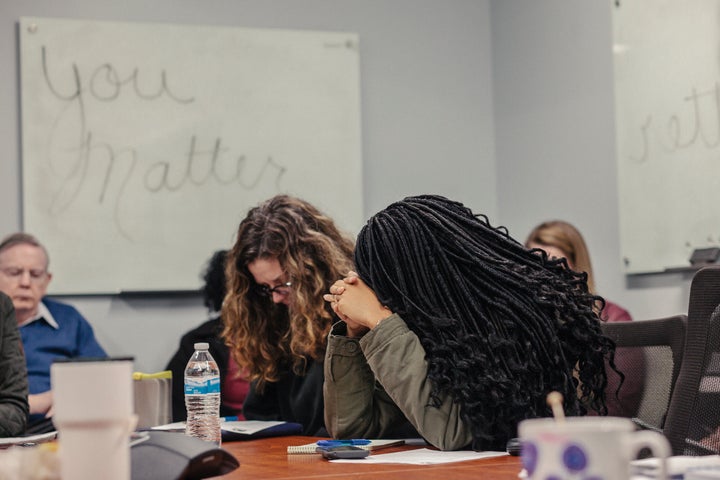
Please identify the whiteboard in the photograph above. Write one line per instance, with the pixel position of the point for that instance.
(144, 145)
(667, 88)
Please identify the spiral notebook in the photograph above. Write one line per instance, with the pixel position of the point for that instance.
(373, 445)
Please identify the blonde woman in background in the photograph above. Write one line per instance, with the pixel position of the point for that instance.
(560, 239)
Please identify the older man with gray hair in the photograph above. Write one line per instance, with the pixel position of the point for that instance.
(49, 329)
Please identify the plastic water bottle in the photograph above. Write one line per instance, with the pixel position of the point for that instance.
(202, 396)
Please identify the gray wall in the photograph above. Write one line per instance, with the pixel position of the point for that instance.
(427, 118)
(518, 123)
(555, 138)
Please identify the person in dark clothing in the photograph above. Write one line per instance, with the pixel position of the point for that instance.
(13, 373)
(234, 386)
(286, 254)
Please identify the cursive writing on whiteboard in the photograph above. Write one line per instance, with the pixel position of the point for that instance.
(697, 125)
(120, 165)
(106, 85)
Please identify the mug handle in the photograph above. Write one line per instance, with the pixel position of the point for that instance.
(657, 443)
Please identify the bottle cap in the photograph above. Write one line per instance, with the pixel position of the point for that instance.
(202, 346)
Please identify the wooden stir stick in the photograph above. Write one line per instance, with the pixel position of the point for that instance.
(554, 400)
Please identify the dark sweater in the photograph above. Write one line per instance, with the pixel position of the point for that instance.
(293, 398)
(13, 373)
(207, 332)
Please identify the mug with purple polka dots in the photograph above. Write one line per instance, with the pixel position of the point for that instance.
(586, 448)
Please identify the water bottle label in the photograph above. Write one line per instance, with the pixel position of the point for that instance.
(200, 386)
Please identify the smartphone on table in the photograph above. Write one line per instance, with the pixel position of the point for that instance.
(344, 451)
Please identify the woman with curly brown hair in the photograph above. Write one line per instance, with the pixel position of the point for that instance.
(455, 327)
(286, 255)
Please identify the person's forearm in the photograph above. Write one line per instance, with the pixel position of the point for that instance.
(397, 359)
(40, 403)
(354, 407)
(13, 418)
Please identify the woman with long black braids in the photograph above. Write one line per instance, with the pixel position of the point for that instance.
(453, 326)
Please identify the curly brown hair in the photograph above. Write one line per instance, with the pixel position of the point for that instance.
(264, 338)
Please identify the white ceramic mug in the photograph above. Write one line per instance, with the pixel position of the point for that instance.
(93, 413)
(586, 447)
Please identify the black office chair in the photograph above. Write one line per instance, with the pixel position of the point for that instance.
(649, 353)
(693, 421)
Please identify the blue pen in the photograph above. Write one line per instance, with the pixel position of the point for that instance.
(228, 419)
(342, 443)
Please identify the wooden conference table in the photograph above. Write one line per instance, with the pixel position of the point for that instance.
(268, 459)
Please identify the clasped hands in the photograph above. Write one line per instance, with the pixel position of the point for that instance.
(356, 304)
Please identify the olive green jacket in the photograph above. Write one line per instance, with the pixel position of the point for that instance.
(376, 383)
(13, 374)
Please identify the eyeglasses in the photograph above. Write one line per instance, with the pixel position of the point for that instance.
(282, 289)
(36, 276)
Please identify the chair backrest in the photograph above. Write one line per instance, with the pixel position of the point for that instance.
(693, 422)
(649, 354)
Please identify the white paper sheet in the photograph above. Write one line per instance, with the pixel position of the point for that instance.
(424, 456)
(237, 426)
(677, 466)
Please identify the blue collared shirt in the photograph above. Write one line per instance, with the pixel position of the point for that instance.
(58, 331)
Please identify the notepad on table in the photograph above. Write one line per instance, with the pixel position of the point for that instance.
(244, 429)
(373, 445)
(28, 439)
